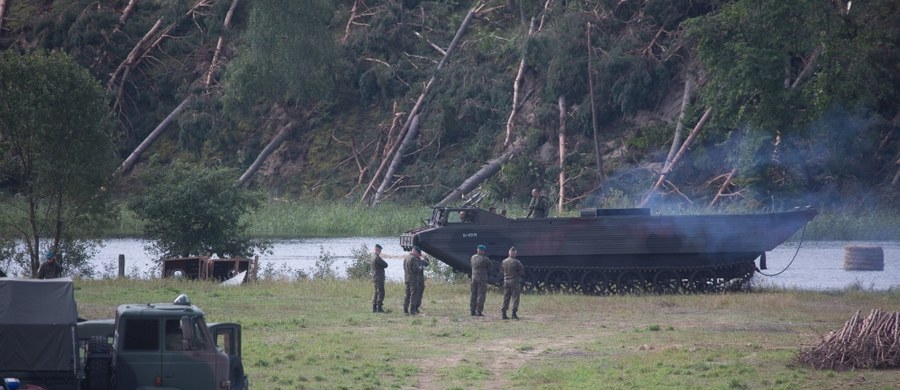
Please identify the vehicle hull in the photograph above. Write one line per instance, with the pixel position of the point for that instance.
(725, 245)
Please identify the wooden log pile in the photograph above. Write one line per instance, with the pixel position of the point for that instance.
(872, 342)
(863, 258)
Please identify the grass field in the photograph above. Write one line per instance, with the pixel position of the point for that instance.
(321, 334)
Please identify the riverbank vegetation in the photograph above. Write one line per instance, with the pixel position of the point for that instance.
(303, 219)
(320, 333)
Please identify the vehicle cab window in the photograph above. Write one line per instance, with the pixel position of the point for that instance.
(198, 339)
(141, 334)
(174, 335)
(466, 216)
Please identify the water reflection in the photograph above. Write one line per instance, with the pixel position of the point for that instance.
(818, 266)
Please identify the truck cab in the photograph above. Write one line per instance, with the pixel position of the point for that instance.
(167, 346)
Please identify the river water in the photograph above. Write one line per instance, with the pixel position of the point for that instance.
(818, 264)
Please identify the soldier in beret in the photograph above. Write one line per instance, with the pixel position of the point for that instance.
(50, 268)
(378, 266)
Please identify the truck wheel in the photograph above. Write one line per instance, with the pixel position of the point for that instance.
(236, 372)
(97, 366)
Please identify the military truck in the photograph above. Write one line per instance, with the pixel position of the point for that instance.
(160, 346)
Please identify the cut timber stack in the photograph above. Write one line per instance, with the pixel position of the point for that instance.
(873, 342)
(863, 258)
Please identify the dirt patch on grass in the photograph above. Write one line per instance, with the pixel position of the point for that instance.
(500, 357)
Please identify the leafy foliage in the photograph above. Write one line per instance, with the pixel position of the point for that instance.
(57, 149)
(195, 211)
(285, 56)
(360, 264)
(324, 267)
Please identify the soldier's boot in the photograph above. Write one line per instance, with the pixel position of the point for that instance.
(504, 315)
(374, 308)
(514, 316)
(380, 309)
(480, 314)
(405, 310)
(473, 312)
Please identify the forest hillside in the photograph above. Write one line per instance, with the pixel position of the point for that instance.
(685, 104)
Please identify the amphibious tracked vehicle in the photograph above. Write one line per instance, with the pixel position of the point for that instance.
(613, 250)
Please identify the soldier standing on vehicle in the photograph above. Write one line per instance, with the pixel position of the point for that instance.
(513, 271)
(414, 277)
(378, 266)
(50, 268)
(481, 265)
(538, 206)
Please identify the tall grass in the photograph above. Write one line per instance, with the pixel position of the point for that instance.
(277, 219)
(876, 226)
(307, 218)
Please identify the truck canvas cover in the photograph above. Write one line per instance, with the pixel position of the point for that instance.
(37, 325)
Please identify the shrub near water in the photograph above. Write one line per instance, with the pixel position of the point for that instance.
(360, 265)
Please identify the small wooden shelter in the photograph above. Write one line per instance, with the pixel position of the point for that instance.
(206, 268)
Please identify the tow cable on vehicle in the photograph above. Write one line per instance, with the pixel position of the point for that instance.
(792, 259)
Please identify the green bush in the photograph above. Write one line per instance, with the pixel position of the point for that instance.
(360, 267)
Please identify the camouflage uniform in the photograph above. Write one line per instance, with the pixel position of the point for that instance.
(538, 206)
(49, 269)
(513, 271)
(481, 265)
(414, 277)
(378, 266)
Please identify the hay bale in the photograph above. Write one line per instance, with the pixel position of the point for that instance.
(863, 258)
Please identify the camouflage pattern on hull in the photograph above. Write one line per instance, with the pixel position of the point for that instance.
(614, 251)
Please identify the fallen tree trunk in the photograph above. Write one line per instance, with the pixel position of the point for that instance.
(681, 151)
(562, 154)
(414, 113)
(279, 138)
(398, 155)
(590, 53)
(897, 175)
(389, 146)
(515, 99)
(491, 168)
(3, 4)
(141, 49)
(215, 59)
(133, 55)
(723, 187)
(125, 14)
(679, 127)
(133, 157)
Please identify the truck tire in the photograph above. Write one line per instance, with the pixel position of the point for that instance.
(98, 364)
(236, 372)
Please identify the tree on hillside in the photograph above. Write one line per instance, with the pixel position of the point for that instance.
(195, 211)
(284, 62)
(57, 151)
(778, 70)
